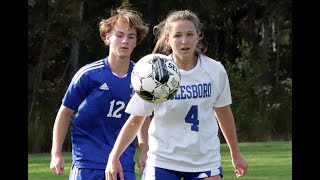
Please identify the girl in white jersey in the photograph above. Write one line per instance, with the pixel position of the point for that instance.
(183, 134)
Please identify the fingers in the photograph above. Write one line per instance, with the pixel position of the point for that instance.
(109, 176)
(142, 161)
(57, 170)
(241, 171)
(121, 175)
(113, 175)
(60, 170)
(113, 170)
(57, 167)
(141, 166)
(240, 165)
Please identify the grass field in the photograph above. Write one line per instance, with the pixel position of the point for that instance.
(267, 161)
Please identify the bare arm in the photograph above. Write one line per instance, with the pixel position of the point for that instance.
(60, 130)
(126, 136)
(226, 121)
(143, 143)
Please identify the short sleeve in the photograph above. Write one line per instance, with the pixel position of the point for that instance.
(224, 97)
(138, 106)
(76, 92)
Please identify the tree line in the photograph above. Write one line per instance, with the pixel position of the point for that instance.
(251, 38)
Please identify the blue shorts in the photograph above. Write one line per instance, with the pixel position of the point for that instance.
(155, 173)
(94, 174)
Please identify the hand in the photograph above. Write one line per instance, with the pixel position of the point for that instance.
(57, 165)
(113, 169)
(240, 165)
(142, 160)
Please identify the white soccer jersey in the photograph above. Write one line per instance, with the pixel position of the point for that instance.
(183, 135)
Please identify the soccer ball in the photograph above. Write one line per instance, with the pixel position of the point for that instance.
(156, 78)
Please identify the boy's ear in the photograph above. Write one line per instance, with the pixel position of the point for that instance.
(107, 38)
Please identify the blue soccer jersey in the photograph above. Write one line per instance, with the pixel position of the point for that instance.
(100, 98)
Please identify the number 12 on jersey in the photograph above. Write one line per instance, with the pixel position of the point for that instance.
(192, 118)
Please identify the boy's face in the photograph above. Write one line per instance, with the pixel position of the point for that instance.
(122, 40)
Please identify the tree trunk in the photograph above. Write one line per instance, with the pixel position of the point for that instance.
(251, 30)
(265, 45)
(277, 22)
(151, 19)
(74, 58)
(41, 62)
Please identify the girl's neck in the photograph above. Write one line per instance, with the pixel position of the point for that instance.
(186, 63)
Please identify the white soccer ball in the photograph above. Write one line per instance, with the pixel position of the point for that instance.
(156, 78)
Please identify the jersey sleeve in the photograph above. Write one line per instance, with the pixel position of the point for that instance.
(138, 106)
(224, 97)
(77, 91)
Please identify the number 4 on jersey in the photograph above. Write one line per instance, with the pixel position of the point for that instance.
(192, 117)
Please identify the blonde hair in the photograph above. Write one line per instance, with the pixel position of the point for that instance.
(163, 29)
(129, 17)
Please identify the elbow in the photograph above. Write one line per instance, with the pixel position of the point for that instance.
(135, 120)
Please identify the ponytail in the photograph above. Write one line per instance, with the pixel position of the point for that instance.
(160, 46)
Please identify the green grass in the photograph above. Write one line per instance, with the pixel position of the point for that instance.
(267, 161)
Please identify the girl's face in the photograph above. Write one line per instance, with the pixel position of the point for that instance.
(122, 40)
(183, 38)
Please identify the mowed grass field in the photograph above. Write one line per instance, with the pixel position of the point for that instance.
(267, 161)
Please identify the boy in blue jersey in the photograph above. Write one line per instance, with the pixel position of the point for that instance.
(100, 92)
(183, 134)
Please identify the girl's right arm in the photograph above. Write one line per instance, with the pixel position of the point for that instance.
(126, 136)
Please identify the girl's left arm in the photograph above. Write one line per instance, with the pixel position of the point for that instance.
(227, 125)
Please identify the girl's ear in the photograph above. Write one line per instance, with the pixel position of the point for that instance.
(166, 41)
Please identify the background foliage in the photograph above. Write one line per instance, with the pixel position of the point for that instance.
(251, 38)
